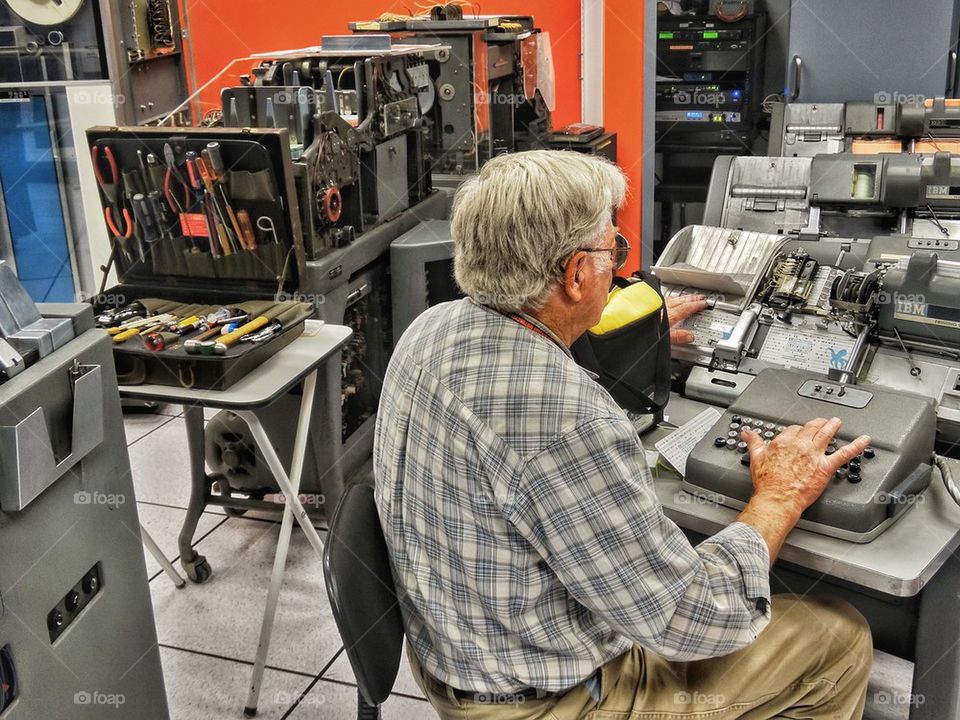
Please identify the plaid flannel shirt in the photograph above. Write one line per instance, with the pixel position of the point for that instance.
(527, 541)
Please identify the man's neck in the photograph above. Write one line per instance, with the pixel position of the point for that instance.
(557, 323)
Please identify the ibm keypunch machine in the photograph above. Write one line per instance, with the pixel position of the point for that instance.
(834, 271)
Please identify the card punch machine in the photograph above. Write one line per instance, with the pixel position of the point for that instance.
(792, 334)
(77, 632)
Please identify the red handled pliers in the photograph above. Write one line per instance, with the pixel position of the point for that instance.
(116, 215)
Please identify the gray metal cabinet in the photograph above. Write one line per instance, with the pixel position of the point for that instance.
(842, 50)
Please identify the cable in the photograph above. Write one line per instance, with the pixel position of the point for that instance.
(947, 476)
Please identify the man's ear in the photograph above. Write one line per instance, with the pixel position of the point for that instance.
(573, 277)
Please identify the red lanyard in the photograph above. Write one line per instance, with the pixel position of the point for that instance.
(530, 326)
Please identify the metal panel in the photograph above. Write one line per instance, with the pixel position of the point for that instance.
(867, 50)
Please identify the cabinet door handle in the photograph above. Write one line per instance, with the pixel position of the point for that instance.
(797, 72)
(952, 74)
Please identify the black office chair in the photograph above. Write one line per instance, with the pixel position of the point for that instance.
(363, 598)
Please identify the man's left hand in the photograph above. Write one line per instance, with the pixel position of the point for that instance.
(679, 308)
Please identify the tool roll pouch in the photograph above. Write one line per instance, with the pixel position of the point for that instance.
(629, 349)
(174, 365)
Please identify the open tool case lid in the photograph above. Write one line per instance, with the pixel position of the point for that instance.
(260, 180)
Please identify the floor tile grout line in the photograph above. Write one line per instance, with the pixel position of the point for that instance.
(313, 684)
(151, 431)
(225, 658)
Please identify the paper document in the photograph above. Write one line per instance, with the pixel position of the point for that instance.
(676, 447)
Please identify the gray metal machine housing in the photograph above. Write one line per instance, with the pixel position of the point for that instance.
(77, 631)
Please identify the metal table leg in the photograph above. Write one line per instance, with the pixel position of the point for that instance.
(293, 509)
(158, 555)
(194, 564)
(936, 672)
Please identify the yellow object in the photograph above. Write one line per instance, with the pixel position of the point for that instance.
(626, 305)
(252, 326)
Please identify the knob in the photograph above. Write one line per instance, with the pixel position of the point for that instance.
(745, 460)
(91, 584)
(719, 442)
(55, 619)
(742, 446)
(854, 477)
(869, 452)
(735, 426)
(736, 419)
(72, 601)
(855, 465)
(769, 435)
(731, 444)
(831, 449)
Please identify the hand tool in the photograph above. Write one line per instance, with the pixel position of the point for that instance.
(265, 225)
(160, 341)
(116, 215)
(216, 160)
(145, 327)
(143, 322)
(149, 231)
(147, 179)
(274, 328)
(247, 237)
(221, 204)
(222, 344)
(193, 345)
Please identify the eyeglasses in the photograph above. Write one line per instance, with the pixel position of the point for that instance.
(619, 252)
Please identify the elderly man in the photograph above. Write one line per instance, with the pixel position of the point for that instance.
(537, 574)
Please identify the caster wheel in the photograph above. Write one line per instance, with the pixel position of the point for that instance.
(198, 570)
(240, 512)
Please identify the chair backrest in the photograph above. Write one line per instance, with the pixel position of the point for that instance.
(362, 593)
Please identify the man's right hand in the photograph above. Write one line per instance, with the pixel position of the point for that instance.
(790, 473)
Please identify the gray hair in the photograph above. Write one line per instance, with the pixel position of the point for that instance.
(517, 221)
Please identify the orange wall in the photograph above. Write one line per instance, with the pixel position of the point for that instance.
(623, 106)
(227, 29)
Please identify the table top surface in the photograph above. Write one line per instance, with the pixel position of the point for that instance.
(899, 562)
(264, 385)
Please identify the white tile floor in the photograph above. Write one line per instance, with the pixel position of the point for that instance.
(208, 633)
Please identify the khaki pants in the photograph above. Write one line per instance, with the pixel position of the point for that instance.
(811, 662)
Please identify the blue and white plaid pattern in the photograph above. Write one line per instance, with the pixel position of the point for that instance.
(527, 540)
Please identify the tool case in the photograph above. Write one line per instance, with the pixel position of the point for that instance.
(194, 232)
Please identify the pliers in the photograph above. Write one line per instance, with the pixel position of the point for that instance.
(116, 215)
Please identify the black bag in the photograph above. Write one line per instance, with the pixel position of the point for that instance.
(629, 349)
